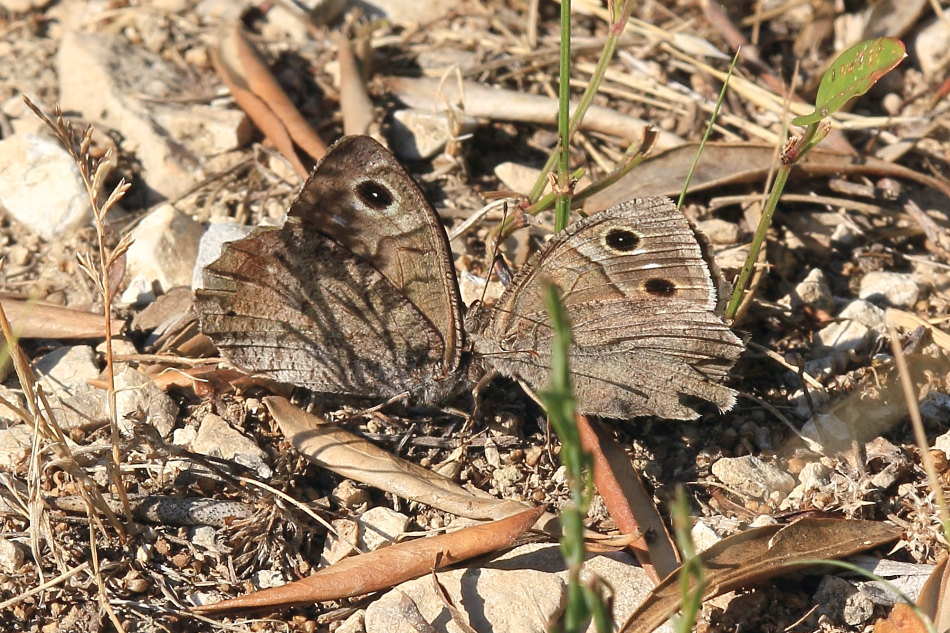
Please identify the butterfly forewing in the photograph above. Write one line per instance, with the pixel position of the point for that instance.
(640, 299)
(364, 200)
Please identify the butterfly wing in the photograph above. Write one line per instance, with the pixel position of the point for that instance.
(361, 198)
(298, 308)
(641, 301)
(355, 294)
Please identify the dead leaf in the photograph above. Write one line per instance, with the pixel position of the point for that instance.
(730, 163)
(32, 319)
(628, 503)
(902, 619)
(351, 456)
(934, 598)
(386, 567)
(257, 92)
(759, 554)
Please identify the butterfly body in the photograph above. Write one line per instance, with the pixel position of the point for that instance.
(357, 295)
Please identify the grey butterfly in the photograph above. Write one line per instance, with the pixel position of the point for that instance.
(356, 294)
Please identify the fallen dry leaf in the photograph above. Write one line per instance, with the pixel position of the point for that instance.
(730, 163)
(352, 457)
(386, 567)
(628, 503)
(32, 319)
(257, 92)
(759, 554)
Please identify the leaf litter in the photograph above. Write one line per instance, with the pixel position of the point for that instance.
(859, 461)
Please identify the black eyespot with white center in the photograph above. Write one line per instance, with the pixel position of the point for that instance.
(660, 287)
(374, 194)
(622, 240)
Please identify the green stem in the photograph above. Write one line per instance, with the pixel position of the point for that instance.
(757, 240)
(610, 45)
(562, 202)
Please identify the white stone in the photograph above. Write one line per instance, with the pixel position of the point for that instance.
(516, 177)
(931, 45)
(15, 445)
(719, 231)
(814, 475)
(894, 289)
(163, 253)
(118, 85)
(138, 400)
(66, 370)
(40, 186)
(12, 555)
(514, 601)
(380, 526)
(217, 438)
(813, 290)
(406, 12)
(420, 134)
(703, 536)
(212, 243)
(356, 623)
(751, 476)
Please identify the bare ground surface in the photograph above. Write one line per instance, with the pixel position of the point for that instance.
(857, 223)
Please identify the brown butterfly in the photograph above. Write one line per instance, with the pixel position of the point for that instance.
(357, 294)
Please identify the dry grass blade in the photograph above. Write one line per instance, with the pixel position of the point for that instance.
(387, 567)
(355, 104)
(484, 102)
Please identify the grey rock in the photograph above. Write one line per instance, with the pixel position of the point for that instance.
(813, 290)
(751, 476)
(894, 289)
(139, 400)
(843, 602)
(16, 443)
(380, 526)
(936, 406)
(217, 438)
(719, 231)
(66, 370)
(865, 313)
(212, 243)
(419, 134)
(843, 336)
(12, 555)
(40, 186)
(163, 254)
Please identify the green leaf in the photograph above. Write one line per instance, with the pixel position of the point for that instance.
(852, 74)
